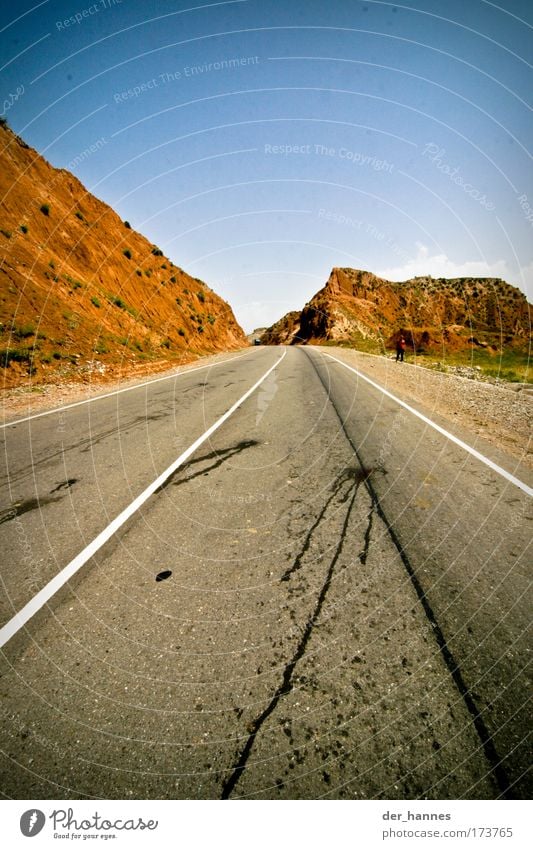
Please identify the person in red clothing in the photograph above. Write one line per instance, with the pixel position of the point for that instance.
(400, 348)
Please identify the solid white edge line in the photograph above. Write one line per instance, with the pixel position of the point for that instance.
(40, 599)
(495, 468)
(119, 391)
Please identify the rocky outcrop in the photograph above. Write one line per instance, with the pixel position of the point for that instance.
(83, 293)
(358, 307)
(284, 332)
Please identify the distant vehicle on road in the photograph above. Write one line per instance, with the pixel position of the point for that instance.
(257, 341)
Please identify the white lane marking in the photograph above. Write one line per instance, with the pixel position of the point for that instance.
(507, 475)
(43, 596)
(119, 391)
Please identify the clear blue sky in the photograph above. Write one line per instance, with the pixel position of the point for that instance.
(410, 127)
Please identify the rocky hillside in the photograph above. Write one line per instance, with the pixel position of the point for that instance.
(82, 293)
(359, 308)
(255, 334)
(283, 332)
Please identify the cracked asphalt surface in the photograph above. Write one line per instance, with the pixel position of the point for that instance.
(328, 600)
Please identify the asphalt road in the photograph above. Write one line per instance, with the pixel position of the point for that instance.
(342, 608)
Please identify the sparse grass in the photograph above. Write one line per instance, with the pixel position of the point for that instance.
(95, 302)
(211, 319)
(509, 365)
(23, 228)
(76, 284)
(79, 215)
(138, 272)
(127, 225)
(6, 233)
(181, 332)
(127, 253)
(172, 279)
(24, 331)
(148, 273)
(366, 344)
(201, 297)
(157, 252)
(15, 355)
(118, 302)
(178, 301)
(45, 209)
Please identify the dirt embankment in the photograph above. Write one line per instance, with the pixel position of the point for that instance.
(82, 294)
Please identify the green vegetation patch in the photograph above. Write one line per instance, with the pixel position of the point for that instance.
(76, 284)
(122, 305)
(508, 365)
(15, 355)
(24, 331)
